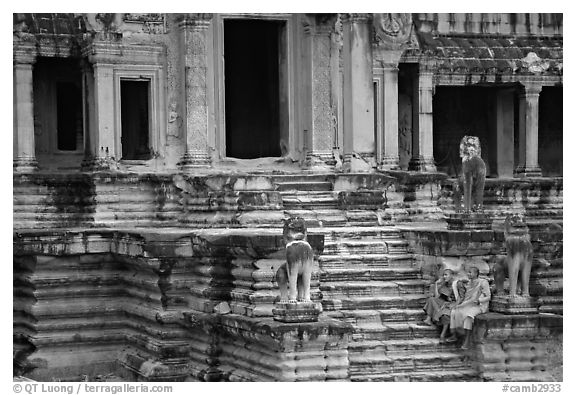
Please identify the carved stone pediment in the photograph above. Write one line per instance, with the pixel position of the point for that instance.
(392, 30)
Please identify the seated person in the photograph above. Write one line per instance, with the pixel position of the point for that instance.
(474, 302)
(438, 307)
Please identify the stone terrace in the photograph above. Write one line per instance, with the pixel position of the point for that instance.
(138, 272)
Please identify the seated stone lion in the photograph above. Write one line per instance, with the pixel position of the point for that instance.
(518, 262)
(473, 173)
(293, 277)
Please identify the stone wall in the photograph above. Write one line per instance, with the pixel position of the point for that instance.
(155, 306)
(518, 347)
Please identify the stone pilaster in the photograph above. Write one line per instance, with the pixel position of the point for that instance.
(101, 145)
(505, 133)
(359, 136)
(390, 158)
(24, 149)
(422, 132)
(194, 39)
(528, 132)
(320, 139)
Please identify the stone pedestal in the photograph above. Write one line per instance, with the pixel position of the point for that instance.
(507, 304)
(469, 221)
(297, 312)
(518, 347)
(266, 350)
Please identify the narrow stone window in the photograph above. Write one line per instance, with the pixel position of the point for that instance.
(69, 116)
(135, 118)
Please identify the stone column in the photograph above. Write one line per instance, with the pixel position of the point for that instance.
(24, 149)
(320, 138)
(194, 38)
(390, 158)
(505, 133)
(359, 141)
(101, 142)
(528, 132)
(422, 137)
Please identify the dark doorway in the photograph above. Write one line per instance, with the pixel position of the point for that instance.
(252, 88)
(58, 117)
(134, 96)
(69, 116)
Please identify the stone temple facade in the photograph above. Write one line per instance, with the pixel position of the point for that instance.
(156, 156)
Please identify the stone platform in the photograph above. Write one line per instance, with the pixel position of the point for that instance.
(520, 347)
(139, 274)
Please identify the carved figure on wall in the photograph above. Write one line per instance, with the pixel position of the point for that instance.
(103, 22)
(473, 173)
(392, 29)
(518, 262)
(294, 275)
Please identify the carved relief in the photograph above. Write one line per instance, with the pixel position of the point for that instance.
(392, 29)
(338, 33)
(532, 63)
(196, 90)
(149, 23)
(103, 22)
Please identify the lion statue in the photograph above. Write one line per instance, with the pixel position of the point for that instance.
(473, 173)
(293, 277)
(518, 262)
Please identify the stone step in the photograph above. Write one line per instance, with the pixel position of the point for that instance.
(362, 233)
(403, 330)
(359, 246)
(316, 200)
(375, 302)
(339, 289)
(366, 261)
(366, 362)
(320, 218)
(368, 274)
(464, 374)
(358, 317)
(401, 346)
(302, 185)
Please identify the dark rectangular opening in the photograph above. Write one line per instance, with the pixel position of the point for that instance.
(135, 97)
(69, 116)
(252, 88)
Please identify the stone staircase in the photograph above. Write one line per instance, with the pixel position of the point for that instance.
(368, 278)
